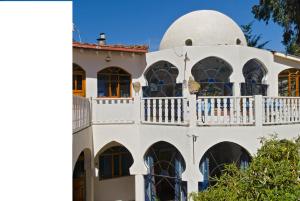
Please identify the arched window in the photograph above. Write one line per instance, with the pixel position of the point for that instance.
(114, 162)
(254, 72)
(161, 78)
(214, 160)
(114, 82)
(165, 167)
(289, 82)
(213, 74)
(78, 81)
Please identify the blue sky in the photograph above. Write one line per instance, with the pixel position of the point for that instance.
(145, 21)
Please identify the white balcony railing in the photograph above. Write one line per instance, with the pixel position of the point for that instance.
(81, 113)
(162, 110)
(112, 110)
(226, 110)
(205, 111)
(281, 110)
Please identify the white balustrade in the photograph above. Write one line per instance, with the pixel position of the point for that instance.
(164, 110)
(281, 110)
(81, 113)
(222, 110)
(225, 110)
(113, 110)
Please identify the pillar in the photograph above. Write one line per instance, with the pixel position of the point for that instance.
(139, 187)
(258, 102)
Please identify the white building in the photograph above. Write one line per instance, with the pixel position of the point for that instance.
(158, 124)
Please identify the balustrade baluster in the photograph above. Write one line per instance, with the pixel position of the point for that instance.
(212, 110)
(272, 110)
(149, 110)
(218, 110)
(225, 119)
(206, 118)
(251, 110)
(172, 111)
(244, 110)
(166, 110)
(179, 104)
(159, 110)
(231, 117)
(154, 110)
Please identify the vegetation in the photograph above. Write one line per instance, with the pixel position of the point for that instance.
(285, 13)
(252, 40)
(272, 175)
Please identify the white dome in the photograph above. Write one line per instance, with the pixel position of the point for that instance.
(203, 27)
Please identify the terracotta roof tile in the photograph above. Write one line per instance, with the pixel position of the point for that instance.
(121, 48)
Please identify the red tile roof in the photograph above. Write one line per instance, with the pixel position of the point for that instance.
(121, 48)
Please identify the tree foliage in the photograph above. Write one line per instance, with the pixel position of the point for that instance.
(286, 13)
(273, 174)
(252, 39)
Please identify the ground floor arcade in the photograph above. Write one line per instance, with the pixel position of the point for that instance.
(111, 179)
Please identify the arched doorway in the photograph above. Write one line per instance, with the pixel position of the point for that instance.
(165, 166)
(79, 81)
(114, 82)
(113, 180)
(289, 82)
(254, 72)
(213, 161)
(212, 73)
(161, 78)
(79, 179)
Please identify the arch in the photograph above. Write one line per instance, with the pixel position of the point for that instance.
(254, 72)
(289, 82)
(213, 160)
(112, 163)
(79, 80)
(161, 78)
(113, 155)
(81, 176)
(213, 73)
(165, 166)
(113, 82)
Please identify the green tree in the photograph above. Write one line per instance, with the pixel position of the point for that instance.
(286, 13)
(272, 175)
(252, 40)
(293, 48)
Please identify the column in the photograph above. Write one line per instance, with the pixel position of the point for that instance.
(258, 110)
(139, 187)
(192, 186)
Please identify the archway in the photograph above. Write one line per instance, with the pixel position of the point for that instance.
(289, 82)
(82, 177)
(254, 72)
(212, 73)
(213, 161)
(114, 82)
(165, 166)
(113, 181)
(161, 77)
(79, 78)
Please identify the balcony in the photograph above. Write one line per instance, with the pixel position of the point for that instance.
(187, 111)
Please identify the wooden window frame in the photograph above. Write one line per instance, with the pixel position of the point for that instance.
(290, 75)
(81, 72)
(111, 155)
(118, 95)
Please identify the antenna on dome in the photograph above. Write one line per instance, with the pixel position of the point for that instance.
(77, 31)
